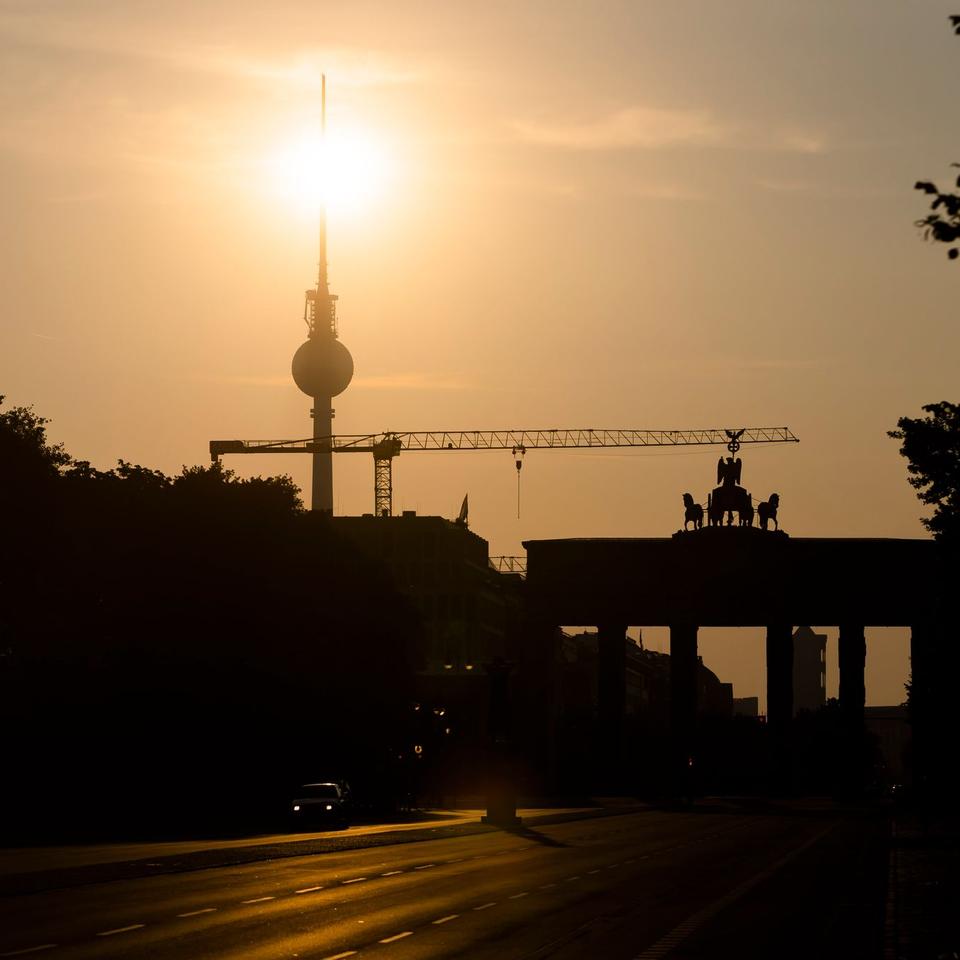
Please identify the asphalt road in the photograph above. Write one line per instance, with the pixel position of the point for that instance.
(717, 882)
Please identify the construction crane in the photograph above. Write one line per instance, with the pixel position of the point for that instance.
(385, 447)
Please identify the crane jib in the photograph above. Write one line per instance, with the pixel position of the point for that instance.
(390, 444)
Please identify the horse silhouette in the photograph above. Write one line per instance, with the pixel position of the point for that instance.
(746, 512)
(768, 511)
(693, 513)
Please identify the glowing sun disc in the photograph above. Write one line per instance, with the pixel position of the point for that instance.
(348, 171)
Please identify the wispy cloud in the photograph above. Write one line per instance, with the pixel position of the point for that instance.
(801, 141)
(300, 68)
(304, 70)
(642, 127)
(783, 186)
(393, 381)
(253, 381)
(630, 128)
(773, 363)
(409, 381)
(663, 191)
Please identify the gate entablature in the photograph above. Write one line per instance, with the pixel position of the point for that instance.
(730, 576)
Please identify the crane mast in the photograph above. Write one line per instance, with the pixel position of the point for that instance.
(385, 447)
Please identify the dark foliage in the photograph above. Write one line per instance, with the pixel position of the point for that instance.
(182, 651)
(942, 224)
(931, 445)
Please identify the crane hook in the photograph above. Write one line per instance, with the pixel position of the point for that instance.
(518, 453)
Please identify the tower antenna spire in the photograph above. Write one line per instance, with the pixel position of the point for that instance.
(322, 281)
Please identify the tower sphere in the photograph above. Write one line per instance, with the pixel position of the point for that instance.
(322, 367)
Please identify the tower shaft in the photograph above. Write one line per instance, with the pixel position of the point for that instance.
(322, 488)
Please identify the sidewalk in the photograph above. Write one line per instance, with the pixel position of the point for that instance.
(923, 901)
(29, 869)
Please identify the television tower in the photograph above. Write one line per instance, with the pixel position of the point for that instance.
(322, 366)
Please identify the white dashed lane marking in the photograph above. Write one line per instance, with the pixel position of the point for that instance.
(132, 926)
(20, 953)
(397, 936)
(389, 873)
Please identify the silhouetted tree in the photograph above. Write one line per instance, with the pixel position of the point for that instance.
(29, 473)
(180, 651)
(24, 451)
(942, 224)
(931, 445)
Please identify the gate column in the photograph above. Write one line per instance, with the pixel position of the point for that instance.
(935, 662)
(683, 704)
(501, 777)
(852, 655)
(779, 676)
(780, 699)
(611, 700)
(922, 700)
(537, 708)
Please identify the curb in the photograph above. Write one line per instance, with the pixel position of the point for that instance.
(891, 918)
(44, 880)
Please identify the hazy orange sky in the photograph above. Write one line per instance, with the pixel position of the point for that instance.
(638, 214)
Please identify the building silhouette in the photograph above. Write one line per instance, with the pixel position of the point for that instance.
(891, 727)
(467, 609)
(469, 618)
(809, 670)
(746, 706)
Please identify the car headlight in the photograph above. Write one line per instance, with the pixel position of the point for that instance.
(296, 807)
(329, 806)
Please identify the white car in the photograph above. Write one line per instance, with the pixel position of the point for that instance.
(319, 803)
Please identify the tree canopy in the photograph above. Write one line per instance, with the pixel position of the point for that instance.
(182, 638)
(931, 445)
(942, 224)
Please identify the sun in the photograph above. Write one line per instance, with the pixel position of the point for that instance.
(349, 170)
